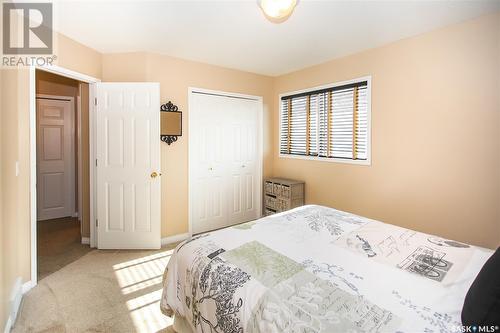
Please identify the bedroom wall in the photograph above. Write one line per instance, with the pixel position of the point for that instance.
(435, 134)
(11, 249)
(78, 57)
(14, 242)
(2, 269)
(15, 198)
(175, 76)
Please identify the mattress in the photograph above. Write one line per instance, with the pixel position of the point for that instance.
(317, 269)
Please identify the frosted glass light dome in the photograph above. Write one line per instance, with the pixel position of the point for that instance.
(278, 10)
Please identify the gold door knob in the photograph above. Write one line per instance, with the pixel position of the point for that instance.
(154, 174)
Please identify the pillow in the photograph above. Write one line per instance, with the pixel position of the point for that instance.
(482, 302)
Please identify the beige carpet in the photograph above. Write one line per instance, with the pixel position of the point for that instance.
(103, 291)
(58, 243)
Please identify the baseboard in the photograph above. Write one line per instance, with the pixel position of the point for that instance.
(86, 240)
(174, 239)
(8, 325)
(27, 286)
(14, 303)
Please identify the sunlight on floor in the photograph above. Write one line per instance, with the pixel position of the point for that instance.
(141, 280)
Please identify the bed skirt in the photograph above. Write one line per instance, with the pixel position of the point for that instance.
(181, 325)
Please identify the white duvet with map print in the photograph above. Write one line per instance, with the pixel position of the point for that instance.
(317, 269)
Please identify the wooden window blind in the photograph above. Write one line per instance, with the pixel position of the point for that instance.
(327, 123)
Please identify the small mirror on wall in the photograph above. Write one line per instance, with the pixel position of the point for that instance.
(171, 123)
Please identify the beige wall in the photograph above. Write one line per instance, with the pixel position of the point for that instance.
(3, 298)
(75, 56)
(14, 146)
(14, 247)
(435, 134)
(175, 76)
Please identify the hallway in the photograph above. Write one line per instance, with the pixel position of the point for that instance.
(58, 244)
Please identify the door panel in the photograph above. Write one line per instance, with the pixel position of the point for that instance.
(113, 141)
(242, 120)
(142, 207)
(209, 187)
(141, 129)
(250, 193)
(128, 152)
(55, 159)
(236, 193)
(114, 208)
(52, 143)
(53, 190)
(223, 161)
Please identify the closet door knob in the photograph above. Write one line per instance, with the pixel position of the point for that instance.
(154, 174)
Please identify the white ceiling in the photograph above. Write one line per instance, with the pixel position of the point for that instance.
(235, 34)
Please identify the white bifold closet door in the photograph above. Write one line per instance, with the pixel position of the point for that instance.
(225, 158)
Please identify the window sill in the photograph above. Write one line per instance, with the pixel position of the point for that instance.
(366, 162)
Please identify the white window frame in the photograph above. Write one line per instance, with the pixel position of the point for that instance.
(368, 79)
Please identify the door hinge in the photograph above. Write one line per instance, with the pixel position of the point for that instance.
(95, 101)
(96, 222)
(96, 162)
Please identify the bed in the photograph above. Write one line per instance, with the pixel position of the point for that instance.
(317, 269)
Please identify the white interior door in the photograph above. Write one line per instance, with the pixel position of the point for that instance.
(55, 159)
(128, 157)
(225, 161)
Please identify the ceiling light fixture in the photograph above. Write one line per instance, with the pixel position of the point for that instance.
(277, 11)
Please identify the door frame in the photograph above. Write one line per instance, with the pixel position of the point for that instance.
(260, 145)
(74, 140)
(33, 194)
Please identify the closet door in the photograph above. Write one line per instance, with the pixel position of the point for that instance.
(224, 161)
(241, 126)
(208, 196)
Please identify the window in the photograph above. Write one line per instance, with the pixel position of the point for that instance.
(329, 123)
